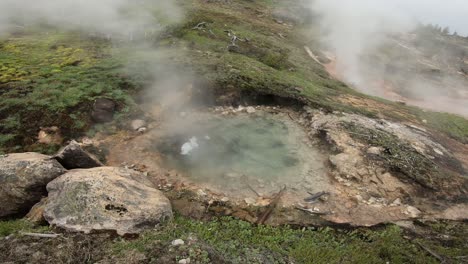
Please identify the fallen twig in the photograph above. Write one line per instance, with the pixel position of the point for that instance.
(234, 39)
(252, 189)
(40, 235)
(310, 211)
(312, 55)
(315, 196)
(199, 26)
(430, 251)
(271, 207)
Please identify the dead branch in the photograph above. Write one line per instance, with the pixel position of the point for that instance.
(271, 207)
(252, 189)
(40, 235)
(315, 196)
(310, 211)
(200, 26)
(312, 55)
(234, 39)
(430, 251)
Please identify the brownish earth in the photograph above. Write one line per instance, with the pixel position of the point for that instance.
(363, 191)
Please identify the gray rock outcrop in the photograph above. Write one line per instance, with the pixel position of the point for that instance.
(73, 156)
(105, 198)
(23, 180)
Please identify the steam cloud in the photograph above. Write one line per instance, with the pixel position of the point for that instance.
(103, 16)
(352, 28)
(355, 30)
(117, 20)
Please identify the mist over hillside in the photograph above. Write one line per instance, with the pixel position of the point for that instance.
(109, 17)
(383, 49)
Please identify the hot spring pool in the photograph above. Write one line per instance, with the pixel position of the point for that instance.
(260, 150)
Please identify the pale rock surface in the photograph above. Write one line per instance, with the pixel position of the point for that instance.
(23, 178)
(105, 198)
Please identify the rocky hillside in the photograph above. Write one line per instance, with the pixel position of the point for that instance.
(83, 179)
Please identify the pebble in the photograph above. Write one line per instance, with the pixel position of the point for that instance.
(249, 201)
(438, 151)
(251, 110)
(137, 124)
(178, 242)
(184, 261)
(200, 192)
(374, 150)
(396, 202)
(412, 211)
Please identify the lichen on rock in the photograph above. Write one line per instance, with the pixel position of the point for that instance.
(23, 178)
(105, 198)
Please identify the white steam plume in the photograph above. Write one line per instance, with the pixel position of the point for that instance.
(101, 16)
(356, 30)
(353, 28)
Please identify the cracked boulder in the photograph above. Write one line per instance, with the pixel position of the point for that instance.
(105, 198)
(73, 156)
(23, 180)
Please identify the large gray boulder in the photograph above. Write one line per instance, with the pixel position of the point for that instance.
(105, 198)
(23, 180)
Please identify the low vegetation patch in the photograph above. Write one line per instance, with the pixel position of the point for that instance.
(52, 80)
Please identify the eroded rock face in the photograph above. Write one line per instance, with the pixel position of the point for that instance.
(74, 157)
(105, 198)
(23, 178)
(388, 171)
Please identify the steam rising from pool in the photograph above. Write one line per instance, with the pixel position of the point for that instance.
(262, 150)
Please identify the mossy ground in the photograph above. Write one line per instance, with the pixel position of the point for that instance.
(226, 240)
(52, 80)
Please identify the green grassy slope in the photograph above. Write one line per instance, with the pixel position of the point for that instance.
(225, 240)
(49, 77)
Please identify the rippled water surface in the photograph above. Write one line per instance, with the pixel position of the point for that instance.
(233, 150)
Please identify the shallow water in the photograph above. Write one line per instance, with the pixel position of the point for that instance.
(261, 149)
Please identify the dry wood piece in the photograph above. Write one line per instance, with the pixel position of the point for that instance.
(233, 46)
(430, 251)
(314, 196)
(312, 55)
(200, 26)
(311, 211)
(40, 235)
(253, 190)
(271, 207)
